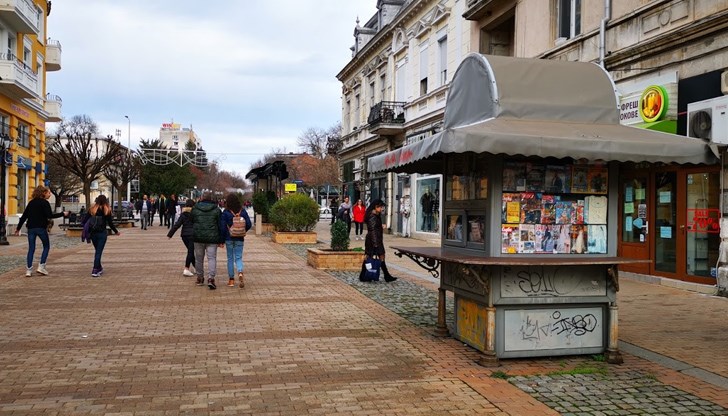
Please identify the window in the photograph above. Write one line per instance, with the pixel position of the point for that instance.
(424, 63)
(382, 87)
(371, 92)
(28, 53)
(400, 93)
(4, 125)
(22, 178)
(569, 16)
(347, 116)
(357, 104)
(23, 135)
(442, 51)
(12, 44)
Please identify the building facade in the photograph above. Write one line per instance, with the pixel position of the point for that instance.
(25, 106)
(668, 60)
(176, 137)
(393, 93)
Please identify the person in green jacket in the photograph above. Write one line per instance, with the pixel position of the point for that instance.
(208, 235)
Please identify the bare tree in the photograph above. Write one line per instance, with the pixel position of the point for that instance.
(317, 141)
(61, 182)
(78, 149)
(125, 167)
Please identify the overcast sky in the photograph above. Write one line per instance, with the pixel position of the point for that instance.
(248, 76)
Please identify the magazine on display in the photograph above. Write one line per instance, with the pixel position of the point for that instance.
(597, 179)
(557, 179)
(548, 213)
(579, 179)
(510, 237)
(535, 177)
(578, 239)
(511, 213)
(528, 238)
(514, 176)
(530, 208)
(597, 239)
(564, 212)
(563, 239)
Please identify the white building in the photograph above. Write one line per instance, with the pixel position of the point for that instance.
(176, 137)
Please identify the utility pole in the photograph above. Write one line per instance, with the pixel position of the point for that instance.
(128, 149)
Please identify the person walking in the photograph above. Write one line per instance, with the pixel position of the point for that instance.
(334, 208)
(374, 242)
(156, 209)
(185, 221)
(146, 210)
(171, 210)
(99, 218)
(357, 213)
(208, 235)
(344, 214)
(234, 211)
(38, 213)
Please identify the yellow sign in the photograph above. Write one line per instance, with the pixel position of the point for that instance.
(653, 103)
(291, 187)
(472, 322)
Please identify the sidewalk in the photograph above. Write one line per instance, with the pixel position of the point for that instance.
(145, 340)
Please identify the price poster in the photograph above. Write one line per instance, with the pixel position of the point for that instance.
(703, 220)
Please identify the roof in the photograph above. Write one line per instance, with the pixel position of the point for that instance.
(537, 107)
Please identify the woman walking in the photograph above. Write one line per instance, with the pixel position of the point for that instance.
(99, 217)
(357, 213)
(374, 242)
(234, 211)
(185, 221)
(344, 214)
(38, 213)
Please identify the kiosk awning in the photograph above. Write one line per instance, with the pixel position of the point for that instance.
(536, 107)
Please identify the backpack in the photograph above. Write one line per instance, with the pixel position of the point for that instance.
(237, 230)
(97, 223)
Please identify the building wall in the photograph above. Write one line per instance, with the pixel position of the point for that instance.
(19, 111)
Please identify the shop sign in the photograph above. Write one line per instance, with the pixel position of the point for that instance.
(653, 103)
(290, 187)
(629, 110)
(171, 126)
(703, 220)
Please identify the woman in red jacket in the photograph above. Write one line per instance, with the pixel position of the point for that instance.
(357, 213)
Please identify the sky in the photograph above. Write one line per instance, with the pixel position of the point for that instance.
(248, 76)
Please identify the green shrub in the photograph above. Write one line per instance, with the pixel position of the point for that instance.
(295, 212)
(261, 205)
(339, 236)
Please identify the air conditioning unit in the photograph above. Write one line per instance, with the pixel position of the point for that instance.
(708, 120)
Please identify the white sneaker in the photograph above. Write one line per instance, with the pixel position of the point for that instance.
(42, 270)
(29, 272)
(186, 272)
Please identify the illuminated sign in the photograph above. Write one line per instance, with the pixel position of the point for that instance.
(291, 187)
(653, 103)
(171, 126)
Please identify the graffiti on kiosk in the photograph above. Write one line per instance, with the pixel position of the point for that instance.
(703, 220)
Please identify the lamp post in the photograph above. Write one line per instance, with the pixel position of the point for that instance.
(3, 206)
(128, 149)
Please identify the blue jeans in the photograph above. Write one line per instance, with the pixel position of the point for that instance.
(99, 241)
(43, 234)
(234, 254)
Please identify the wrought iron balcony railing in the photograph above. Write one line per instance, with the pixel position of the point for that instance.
(390, 112)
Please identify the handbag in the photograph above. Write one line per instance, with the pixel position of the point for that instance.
(372, 266)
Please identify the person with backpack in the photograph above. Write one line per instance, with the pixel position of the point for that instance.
(185, 221)
(236, 224)
(98, 218)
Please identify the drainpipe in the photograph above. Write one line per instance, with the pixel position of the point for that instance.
(390, 189)
(603, 31)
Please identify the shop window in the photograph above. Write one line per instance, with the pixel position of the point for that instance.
(428, 208)
(554, 208)
(22, 189)
(23, 135)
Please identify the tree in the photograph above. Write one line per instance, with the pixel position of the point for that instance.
(158, 176)
(126, 167)
(61, 181)
(316, 141)
(78, 149)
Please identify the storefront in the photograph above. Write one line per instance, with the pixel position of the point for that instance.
(536, 199)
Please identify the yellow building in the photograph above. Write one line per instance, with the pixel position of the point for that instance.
(24, 105)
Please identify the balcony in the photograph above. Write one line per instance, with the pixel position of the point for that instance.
(53, 55)
(477, 9)
(53, 106)
(16, 78)
(21, 15)
(386, 118)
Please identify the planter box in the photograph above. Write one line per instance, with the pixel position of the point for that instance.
(294, 238)
(73, 231)
(264, 228)
(335, 260)
(125, 224)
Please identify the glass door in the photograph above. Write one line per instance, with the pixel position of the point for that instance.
(633, 224)
(702, 224)
(665, 227)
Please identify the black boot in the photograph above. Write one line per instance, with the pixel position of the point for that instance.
(387, 277)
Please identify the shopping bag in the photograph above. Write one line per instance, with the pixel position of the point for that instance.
(372, 265)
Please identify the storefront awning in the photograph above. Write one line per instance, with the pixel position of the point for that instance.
(535, 107)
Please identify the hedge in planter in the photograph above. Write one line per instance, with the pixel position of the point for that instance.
(339, 236)
(294, 213)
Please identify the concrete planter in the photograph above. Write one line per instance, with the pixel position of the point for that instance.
(335, 260)
(294, 237)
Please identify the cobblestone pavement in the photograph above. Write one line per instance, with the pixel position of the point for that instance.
(602, 390)
(143, 340)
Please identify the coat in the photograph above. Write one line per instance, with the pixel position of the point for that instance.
(374, 242)
(206, 223)
(184, 221)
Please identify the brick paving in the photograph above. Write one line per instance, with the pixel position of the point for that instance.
(143, 340)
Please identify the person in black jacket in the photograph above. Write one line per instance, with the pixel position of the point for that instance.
(185, 221)
(171, 208)
(103, 215)
(38, 212)
(374, 242)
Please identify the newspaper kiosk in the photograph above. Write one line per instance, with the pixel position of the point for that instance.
(530, 151)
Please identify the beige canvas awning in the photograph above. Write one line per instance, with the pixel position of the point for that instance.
(535, 107)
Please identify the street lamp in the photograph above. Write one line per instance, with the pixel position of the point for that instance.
(3, 205)
(128, 149)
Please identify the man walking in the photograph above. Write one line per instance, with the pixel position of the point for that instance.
(208, 235)
(162, 209)
(171, 209)
(145, 209)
